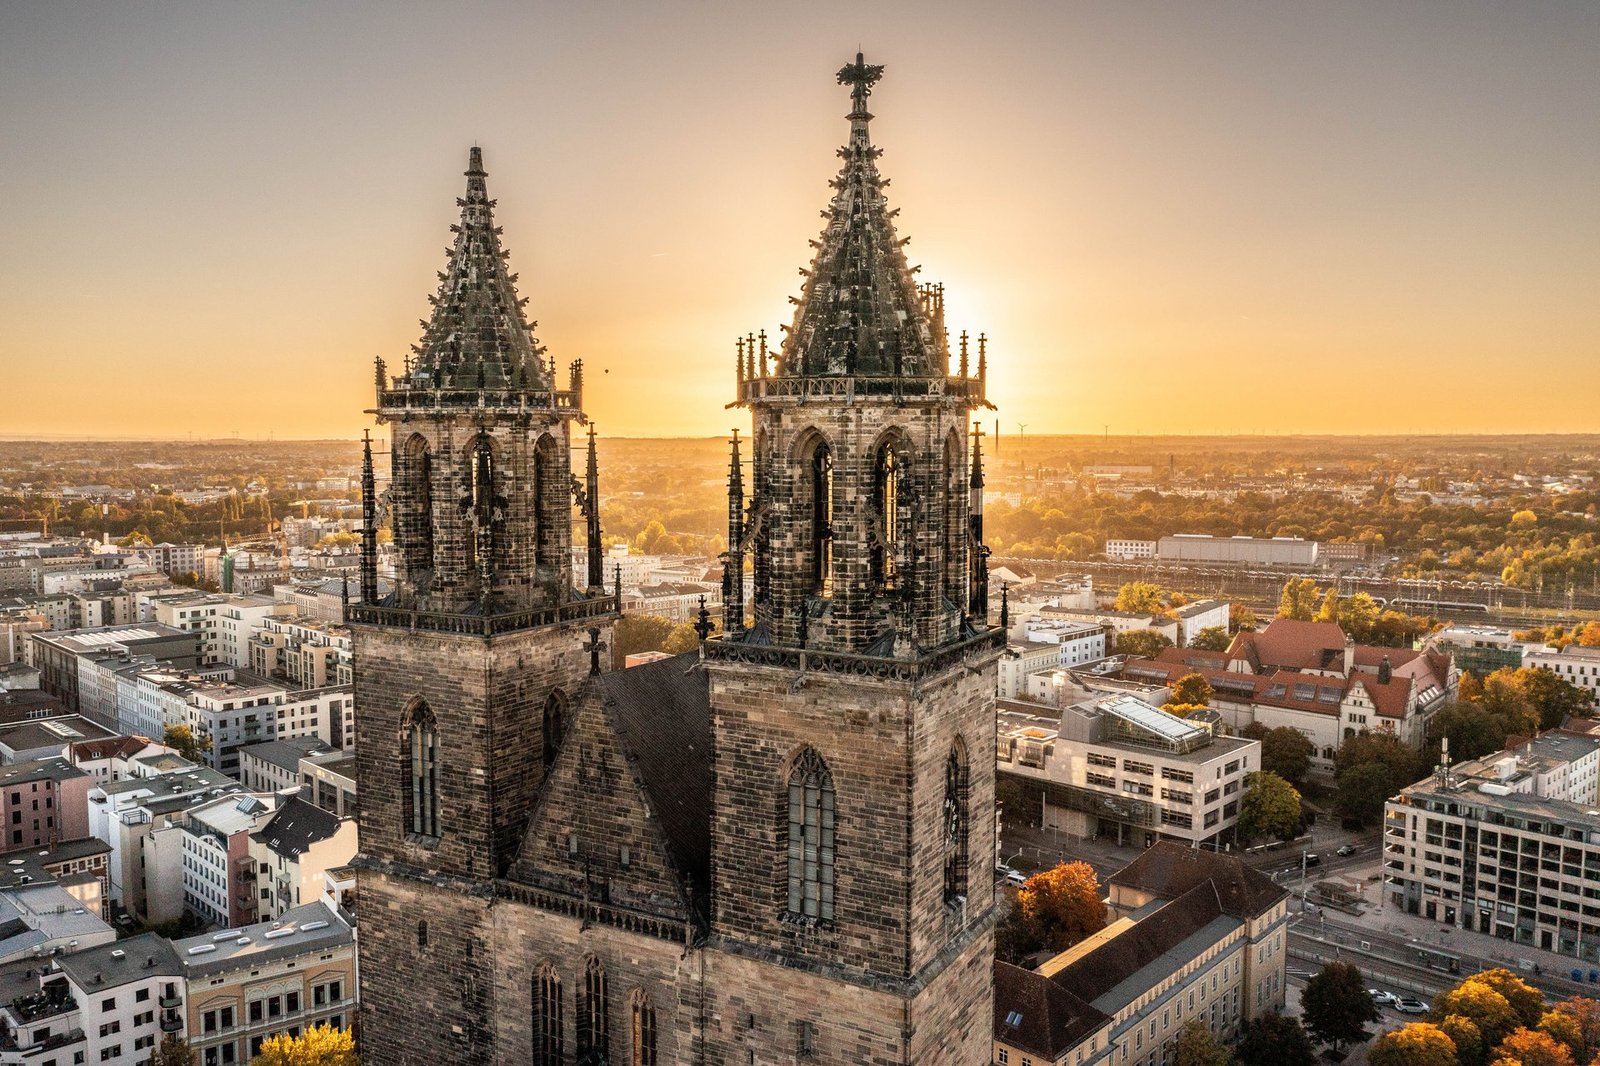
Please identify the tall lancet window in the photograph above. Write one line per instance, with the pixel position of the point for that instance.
(811, 823)
(644, 1030)
(422, 771)
(555, 726)
(822, 520)
(480, 500)
(414, 506)
(887, 468)
(594, 1016)
(547, 1018)
(955, 824)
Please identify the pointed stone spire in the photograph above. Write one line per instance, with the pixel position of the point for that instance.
(477, 336)
(369, 524)
(591, 514)
(733, 564)
(860, 311)
(978, 551)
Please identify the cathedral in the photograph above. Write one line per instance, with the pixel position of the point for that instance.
(774, 849)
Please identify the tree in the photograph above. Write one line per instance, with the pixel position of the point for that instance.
(1198, 1046)
(1329, 611)
(1471, 728)
(181, 739)
(1385, 748)
(1555, 698)
(637, 633)
(1533, 1048)
(1275, 1040)
(1417, 1044)
(682, 638)
(1359, 616)
(1465, 1036)
(1482, 1006)
(1505, 697)
(1015, 937)
(1193, 689)
(1524, 519)
(1299, 599)
(1142, 643)
(1336, 1006)
(321, 1045)
(1523, 998)
(135, 539)
(1065, 903)
(1240, 616)
(1287, 752)
(1363, 790)
(1270, 807)
(174, 1051)
(1211, 638)
(1141, 597)
(1584, 1015)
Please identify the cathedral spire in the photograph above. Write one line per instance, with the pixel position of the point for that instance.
(477, 336)
(860, 312)
(369, 524)
(591, 513)
(733, 564)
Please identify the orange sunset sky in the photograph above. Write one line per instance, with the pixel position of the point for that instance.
(1169, 217)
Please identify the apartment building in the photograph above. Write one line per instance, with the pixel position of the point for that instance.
(266, 979)
(1019, 660)
(219, 874)
(293, 850)
(1507, 845)
(1121, 767)
(329, 781)
(42, 802)
(57, 654)
(1124, 548)
(130, 995)
(305, 654)
(1193, 935)
(1574, 664)
(274, 765)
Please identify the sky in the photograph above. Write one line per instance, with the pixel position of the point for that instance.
(1182, 217)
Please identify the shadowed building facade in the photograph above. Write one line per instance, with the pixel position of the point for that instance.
(774, 849)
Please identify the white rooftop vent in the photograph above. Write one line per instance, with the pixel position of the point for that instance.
(202, 949)
(313, 925)
(226, 934)
(119, 954)
(277, 934)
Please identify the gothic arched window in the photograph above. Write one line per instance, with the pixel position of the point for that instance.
(887, 470)
(555, 725)
(953, 532)
(547, 1018)
(480, 501)
(955, 823)
(414, 505)
(594, 1018)
(822, 521)
(422, 771)
(811, 823)
(644, 1030)
(422, 934)
(550, 502)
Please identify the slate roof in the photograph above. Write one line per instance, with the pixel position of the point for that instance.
(1035, 1014)
(286, 754)
(1169, 870)
(662, 711)
(295, 826)
(121, 962)
(1123, 967)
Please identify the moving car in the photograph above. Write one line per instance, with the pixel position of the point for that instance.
(1313, 859)
(1407, 1005)
(1345, 849)
(1016, 877)
(1382, 998)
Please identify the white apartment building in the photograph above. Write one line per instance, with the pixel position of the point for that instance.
(218, 873)
(1021, 659)
(306, 654)
(1120, 766)
(1574, 664)
(1202, 614)
(237, 620)
(130, 995)
(1506, 845)
(293, 851)
(1130, 549)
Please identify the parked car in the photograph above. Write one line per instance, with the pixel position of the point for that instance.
(1345, 849)
(1407, 1005)
(1313, 859)
(1382, 998)
(1016, 877)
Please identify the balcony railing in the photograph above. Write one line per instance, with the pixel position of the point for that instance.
(170, 1001)
(401, 399)
(171, 1023)
(845, 664)
(970, 391)
(482, 624)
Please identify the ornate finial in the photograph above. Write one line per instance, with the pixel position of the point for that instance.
(738, 360)
(963, 353)
(379, 370)
(1005, 605)
(477, 189)
(861, 77)
(617, 588)
(983, 357)
(344, 594)
(594, 647)
(703, 626)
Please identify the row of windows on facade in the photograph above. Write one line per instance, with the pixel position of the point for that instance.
(266, 1008)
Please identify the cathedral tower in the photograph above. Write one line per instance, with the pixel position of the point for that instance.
(853, 720)
(464, 672)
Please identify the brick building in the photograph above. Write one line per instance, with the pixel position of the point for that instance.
(776, 848)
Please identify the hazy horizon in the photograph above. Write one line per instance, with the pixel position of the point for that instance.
(1257, 218)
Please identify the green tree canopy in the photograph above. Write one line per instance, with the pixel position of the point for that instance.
(1142, 643)
(1275, 1040)
(1270, 807)
(636, 633)
(1287, 752)
(1193, 689)
(181, 739)
(1198, 1046)
(1211, 638)
(1299, 599)
(1336, 1006)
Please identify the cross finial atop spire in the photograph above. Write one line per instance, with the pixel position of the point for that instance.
(861, 77)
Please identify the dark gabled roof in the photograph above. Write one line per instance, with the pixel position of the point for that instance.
(295, 826)
(1168, 870)
(1101, 971)
(662, 712)
(1037, 1015)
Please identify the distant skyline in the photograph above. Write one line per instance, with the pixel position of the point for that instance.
(1168, 218)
